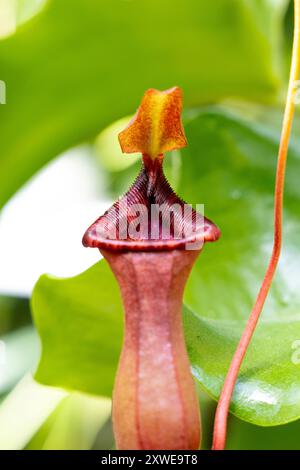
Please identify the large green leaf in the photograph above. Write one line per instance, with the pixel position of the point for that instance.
(80, 65)
(230, 163)
(229, 166)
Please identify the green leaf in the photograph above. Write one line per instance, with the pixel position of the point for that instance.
(230, 166)
(78, 66)
(247, 436)
(13, 362)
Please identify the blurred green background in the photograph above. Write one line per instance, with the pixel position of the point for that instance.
(74, 73)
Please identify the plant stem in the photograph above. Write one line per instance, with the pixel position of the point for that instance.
(220, 427)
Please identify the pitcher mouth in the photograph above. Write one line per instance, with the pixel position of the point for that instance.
(160, 220)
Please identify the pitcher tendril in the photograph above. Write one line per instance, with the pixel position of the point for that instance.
(220, 427)
(144, 237)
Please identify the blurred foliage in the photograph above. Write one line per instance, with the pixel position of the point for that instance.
(267, 392)
(19, 354)
(89, 333)
(14, 313)
(25, 9)
(229, 166)
(108, 148)
(246, 436)
(76, 68)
